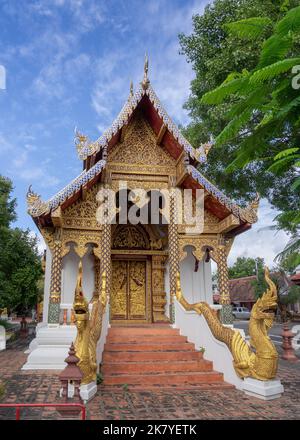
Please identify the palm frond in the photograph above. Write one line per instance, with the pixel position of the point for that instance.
(251, 101)
(288, 107)
(226, 89)
(289, 23)
(234, 126)
(286, 152)
(249, 28)
(274, 49)
(296, 184)
(282, 163)
(270, 72)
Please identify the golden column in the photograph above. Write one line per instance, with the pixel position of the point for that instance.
(105, 244)
(158, 288)
(173, 251)
(55, 283)
(223, 282)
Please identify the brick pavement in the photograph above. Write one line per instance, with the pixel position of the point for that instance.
(41, 386)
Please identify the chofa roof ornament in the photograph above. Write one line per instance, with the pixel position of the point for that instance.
(250, 212)
(35, 205)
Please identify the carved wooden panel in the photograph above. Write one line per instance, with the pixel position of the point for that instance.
(118, 300)
(128, 296)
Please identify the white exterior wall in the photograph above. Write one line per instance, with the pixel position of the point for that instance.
(69, 276)
(196, 329)
(197, 286)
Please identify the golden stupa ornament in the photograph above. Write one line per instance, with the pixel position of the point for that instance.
(146, 82)
(131, 89)
(89, 325)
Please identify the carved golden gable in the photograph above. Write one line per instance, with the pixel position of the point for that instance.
(139, 146)
(82, 214)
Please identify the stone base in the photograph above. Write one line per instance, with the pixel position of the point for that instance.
(88, 391)
(50, 347)
(265, 390)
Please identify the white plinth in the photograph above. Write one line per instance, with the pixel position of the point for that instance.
(296, 339)
(2, 338)
(50, 347)
(266, 390)
(88, 391)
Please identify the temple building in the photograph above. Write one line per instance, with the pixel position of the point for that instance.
(144, 148)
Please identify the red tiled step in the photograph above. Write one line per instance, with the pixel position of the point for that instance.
(135, 356)
(129, 339)
(114, 368)
(152, 357)
(149, 347)
(165, 330)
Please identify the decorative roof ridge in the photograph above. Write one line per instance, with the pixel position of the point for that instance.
(248, 214)
(35, 205)
(87, 148)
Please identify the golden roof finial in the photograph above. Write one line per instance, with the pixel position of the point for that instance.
(131, 89)
(146, 81)
(31, 196)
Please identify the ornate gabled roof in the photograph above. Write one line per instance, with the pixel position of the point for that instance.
(248, 214)
(36, 207)
(86, 148)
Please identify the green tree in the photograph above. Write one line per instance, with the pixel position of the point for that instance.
(20, 267)
(219, 56)
(245, 267)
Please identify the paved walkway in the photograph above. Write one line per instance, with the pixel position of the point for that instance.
(28, 387)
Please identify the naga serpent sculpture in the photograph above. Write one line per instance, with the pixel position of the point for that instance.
(260, 363)
(89, 325)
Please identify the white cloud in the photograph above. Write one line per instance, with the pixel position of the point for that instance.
(41, 245)
(259, 242)
(5, 145)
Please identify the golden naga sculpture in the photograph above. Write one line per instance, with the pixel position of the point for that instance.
(259, 364)
(89, 325)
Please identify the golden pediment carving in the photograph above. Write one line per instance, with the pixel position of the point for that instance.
(139, 147)
(82, 214)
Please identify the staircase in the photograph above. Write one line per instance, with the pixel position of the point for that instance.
(155, 356)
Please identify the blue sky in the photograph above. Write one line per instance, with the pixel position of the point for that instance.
(69, 63)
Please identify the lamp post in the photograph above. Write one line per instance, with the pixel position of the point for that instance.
(70, 379)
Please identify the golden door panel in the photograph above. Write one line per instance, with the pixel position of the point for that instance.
(137, 290)
(128, 296)
(118, 301)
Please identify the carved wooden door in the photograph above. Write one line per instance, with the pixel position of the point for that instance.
(128, 298)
